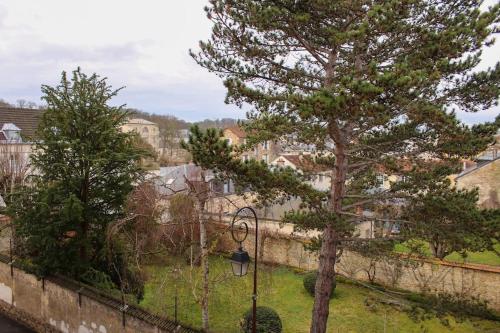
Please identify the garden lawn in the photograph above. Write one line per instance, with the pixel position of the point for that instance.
(484, 258)
(282, 289)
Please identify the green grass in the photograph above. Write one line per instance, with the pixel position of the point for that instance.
(282, 289)
(485, 257)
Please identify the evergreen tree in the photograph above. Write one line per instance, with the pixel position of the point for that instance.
(449, 220)
(371, 83)
(85, 168)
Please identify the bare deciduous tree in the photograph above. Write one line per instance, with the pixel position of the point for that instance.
(14, 167)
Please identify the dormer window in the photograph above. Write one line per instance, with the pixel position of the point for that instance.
(11, 132)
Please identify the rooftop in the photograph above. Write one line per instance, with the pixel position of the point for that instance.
(140, 121)
(476, 167)
(25, 119)
(237, 130)
(304, 163)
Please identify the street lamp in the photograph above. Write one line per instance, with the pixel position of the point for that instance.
(239, 262)
(240, 259)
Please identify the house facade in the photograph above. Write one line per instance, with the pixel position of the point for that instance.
(146, 129)
(17, 133)
(320, 177)
(484, 174)
(266, 151)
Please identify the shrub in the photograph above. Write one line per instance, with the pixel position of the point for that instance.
(268, 321)
(460, 306)
(310, 283)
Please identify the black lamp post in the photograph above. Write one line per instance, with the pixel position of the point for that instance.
(240, 259)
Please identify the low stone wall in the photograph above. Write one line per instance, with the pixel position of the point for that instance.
(70, 307)
(414, 275)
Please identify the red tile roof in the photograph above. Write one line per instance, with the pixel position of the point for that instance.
(238, 131)
(305, 163)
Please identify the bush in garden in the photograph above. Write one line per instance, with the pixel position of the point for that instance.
(310, 283)
(268, 321)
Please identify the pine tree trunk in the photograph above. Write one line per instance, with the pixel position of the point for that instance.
(84, 193)
(328, 252)
(438, 250)
(204, 265)
(324, 281)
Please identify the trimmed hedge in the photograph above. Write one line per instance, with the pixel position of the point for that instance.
(310, 283)
(268, 321)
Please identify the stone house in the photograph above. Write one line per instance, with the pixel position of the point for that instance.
(146, 129)
(17, 133)
(266, 151)
(320, 176)
(483, 173)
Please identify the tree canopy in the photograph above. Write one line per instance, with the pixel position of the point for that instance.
(373, 84)
(85, 168)
(449, 220)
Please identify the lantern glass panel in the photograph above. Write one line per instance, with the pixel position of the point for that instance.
(239, 268)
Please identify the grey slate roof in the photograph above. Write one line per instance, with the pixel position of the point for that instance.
(172, 178)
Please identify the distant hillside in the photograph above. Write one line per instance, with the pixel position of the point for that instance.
(163, 121)
(169, 121)
(218, 123)
(170, 125)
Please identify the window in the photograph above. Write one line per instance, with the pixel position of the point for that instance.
(380, 180)
(320, 177)
(245, 158)
(266, 144)
(11, 132)
(265, 158)
(145, 130)
(229, 141)
(12, 135)
(256, 151)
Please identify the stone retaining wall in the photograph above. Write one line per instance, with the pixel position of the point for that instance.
(70, 307)
(416, 275)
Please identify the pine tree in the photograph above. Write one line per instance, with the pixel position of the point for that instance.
(84, 169)
(450, 220)
(371, 83)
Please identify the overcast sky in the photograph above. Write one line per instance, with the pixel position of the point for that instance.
(142, 45)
